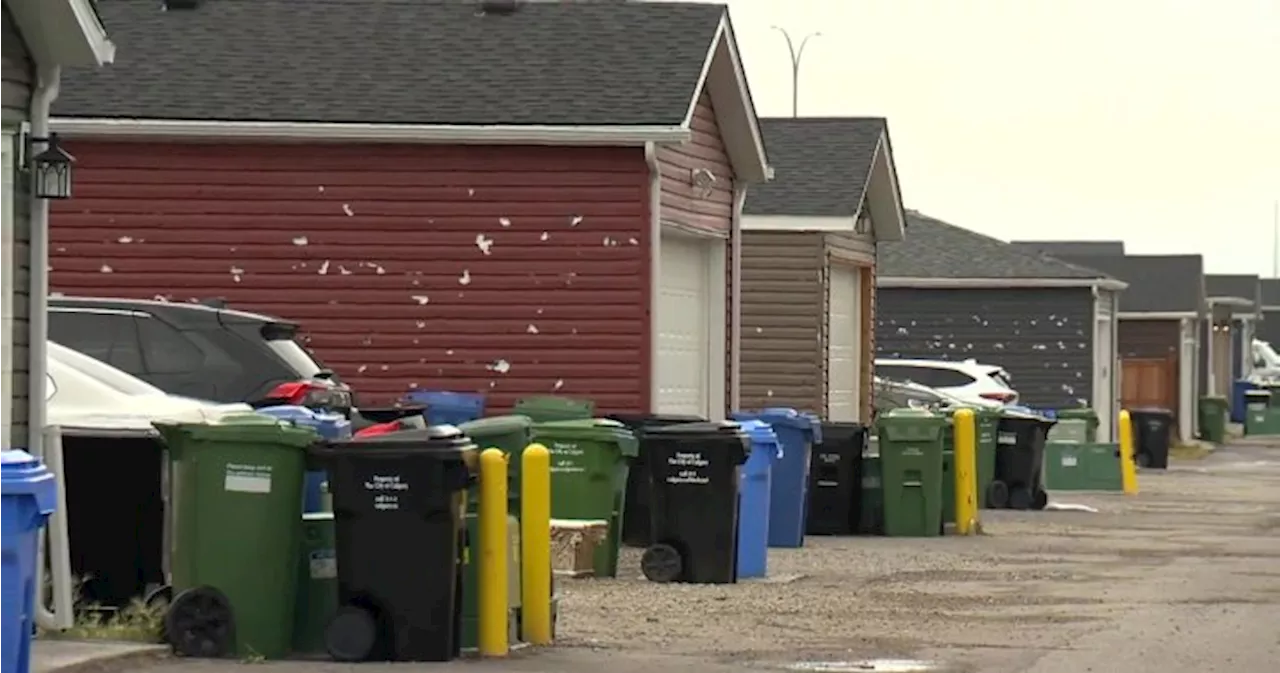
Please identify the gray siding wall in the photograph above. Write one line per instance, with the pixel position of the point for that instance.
(18, 74)
(1269, 327)
(1042, 337)
(783, 304)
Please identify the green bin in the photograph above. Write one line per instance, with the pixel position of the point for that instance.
(317, 583)
(589, 463)
(237, 501)
(948, 474)
(1261, 418)
(988, 421)
(509, 434)
(871, 498)
(1082, 466)
(911, 458)
(1089, 416)
(1213, 419)
(545, 408)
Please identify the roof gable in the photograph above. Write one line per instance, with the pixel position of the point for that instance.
(820, 165)
(399, 62)
(1157, 283)
(938, 250)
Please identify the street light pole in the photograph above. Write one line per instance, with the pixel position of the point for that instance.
(796, 55)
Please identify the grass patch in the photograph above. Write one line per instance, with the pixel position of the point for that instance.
(136, 622)
(1194, 451)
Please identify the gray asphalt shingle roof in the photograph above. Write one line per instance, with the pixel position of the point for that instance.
(1244, 286)
(937, 249)
(398, 61)
(1271, 291)
(820, 165)
(1063, 249)
(1157, 283)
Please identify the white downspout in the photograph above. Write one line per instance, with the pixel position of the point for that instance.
(655, 266)
(734, 395)
(48, 80)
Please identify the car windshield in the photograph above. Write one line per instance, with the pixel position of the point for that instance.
(295, 356)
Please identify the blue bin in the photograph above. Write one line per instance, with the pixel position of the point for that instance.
(29, 494)
(1238, 403)
(789, 483)
(448, 408)
(328, 425)
(753, 510)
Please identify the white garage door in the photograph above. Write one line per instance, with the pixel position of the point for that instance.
(843, 342)
(683, 301)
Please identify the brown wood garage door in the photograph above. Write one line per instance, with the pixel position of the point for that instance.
(1149, 382)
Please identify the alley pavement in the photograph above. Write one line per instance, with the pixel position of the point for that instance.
(1182, 578)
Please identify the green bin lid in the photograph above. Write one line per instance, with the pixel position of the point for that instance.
(601, 430)
(496, 425)
(241, 427)
(555, 408)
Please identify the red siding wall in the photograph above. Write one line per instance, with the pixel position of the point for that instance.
(506, 270)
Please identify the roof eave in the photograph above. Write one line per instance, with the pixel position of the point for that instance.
(1157, 315)
(372, 133)
(883, 194)
(1109, 284)
(63, 32)
(724, 77)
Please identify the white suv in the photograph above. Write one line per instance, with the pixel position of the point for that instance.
(975, 383)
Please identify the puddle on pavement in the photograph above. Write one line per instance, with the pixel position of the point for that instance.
(868, 666)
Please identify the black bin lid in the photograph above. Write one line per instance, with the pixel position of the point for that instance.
(649, 421)
(700, 430)
(445, 439)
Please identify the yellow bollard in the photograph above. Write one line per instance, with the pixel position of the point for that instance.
(1128, 468)
(535, 544)
(965, 458)
(491, 575)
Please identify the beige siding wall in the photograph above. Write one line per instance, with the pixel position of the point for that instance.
(18, 73)
(783, 310)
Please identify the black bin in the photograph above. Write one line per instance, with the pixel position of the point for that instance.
(1153, 435)
(1019, 482)
(398, 507)
(835, 480)
(693, 480)
(635, 517)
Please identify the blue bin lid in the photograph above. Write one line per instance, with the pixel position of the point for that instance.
(761, 434)
(325, 422)
(788, 417)
(23, 474)
(447, 398)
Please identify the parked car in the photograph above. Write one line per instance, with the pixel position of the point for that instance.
(968, 380)
(201, 351)
(890, 395)
(85, 395)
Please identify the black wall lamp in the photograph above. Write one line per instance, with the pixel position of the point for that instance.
(50, 170)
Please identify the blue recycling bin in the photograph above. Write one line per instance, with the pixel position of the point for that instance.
(328, 425)
(448, 408)
(789, 483)
(753, 496)
(1238, 402)
(29, 493)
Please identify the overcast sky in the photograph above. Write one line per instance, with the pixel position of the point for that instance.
(1155, 121)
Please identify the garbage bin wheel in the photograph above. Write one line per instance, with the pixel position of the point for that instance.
(351, 635)
(1143, 459)
(997, 495)
(200, 623)
(158, 597)
(661, 563)
(1039, 499)
(1021, 498)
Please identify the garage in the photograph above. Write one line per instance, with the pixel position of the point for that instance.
(682, 381)
(843, 337)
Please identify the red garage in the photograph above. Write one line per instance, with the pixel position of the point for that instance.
(540, 201)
